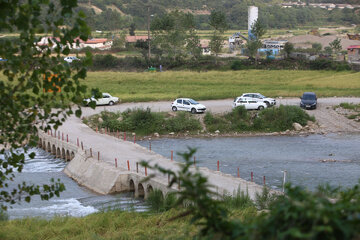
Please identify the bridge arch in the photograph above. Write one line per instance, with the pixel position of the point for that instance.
(72, 155)
(53, 150)
(40, 143)
(141, 191)
(49, 147)
(58, 153)
(67, 158)
(63, 156)
(44, 145)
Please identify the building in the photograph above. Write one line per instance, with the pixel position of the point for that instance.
(353, 53)
(95, 43)
(134, 39)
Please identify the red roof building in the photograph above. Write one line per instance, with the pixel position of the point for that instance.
(353, 53)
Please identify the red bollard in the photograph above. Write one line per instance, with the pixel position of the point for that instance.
(67, 138)
(62, 136)
(59, 135)
(137, 167)
(252, 176)
(97, 130)
(172, 153)
(98, 156)
(238, 173)
(264, 181)
(51, 132)
(77, 142)
(145, 171)
(128, 163)
(194, 161)
(106, 130)
(82, 146)
(124, 136)
(116, 162)
(218, 165)
(134, 138)
(90, 152)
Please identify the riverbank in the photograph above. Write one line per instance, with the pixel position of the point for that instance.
(143, 123)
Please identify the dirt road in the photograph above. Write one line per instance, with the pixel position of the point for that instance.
(327, 118)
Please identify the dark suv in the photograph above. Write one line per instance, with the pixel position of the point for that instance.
(308, 100)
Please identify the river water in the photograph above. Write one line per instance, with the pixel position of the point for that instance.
(75, 201)
(266, 156)
(309, 160)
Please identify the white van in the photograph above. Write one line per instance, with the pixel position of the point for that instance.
(249, 103)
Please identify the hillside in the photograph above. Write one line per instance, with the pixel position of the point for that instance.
(120, 14)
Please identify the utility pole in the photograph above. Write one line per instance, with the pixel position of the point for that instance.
(148, 28)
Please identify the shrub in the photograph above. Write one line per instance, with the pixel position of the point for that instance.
(183, 121)
(237, 65)
(214, 123)
(281, 118)
(3, 215)
(159, 203)
(239, 200)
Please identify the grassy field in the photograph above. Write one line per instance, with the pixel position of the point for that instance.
(145, 86)
(108, 225)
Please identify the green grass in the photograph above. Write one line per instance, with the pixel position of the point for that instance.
(351, 106)
(136, 87)
(104, 225)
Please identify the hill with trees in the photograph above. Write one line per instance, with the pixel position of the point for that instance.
(120, 14)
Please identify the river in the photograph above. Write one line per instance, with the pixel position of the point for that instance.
(309, 160)
(75, 201)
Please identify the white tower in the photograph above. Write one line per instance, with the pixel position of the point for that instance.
(252, 18)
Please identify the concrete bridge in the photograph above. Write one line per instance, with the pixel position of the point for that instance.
(106, 164)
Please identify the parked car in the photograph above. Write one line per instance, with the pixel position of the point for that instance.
(70, 59)
(269, 101)
(308, 100)
(187, 104)
(106, 99)
(249, 103)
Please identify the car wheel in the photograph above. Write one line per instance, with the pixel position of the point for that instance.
(174, 109)
(193, 110)
(111, 103)
(261, 108)
(267, 104)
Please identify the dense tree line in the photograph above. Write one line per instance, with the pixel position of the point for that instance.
(136, 12)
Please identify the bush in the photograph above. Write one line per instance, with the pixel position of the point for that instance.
(214, 123)
(183, 121)
(281, 118)
(237, 65)
(159, 203)
(239, 200)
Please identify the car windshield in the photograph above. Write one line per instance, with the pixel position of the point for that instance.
(193, 102)
(309, 97)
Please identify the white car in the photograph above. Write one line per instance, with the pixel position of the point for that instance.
(70, 59)
(106, 99)
(249, 103)
(187, 104)
(269, 101)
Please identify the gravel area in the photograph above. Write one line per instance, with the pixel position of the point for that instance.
(327, 118)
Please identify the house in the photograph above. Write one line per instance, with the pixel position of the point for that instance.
(205, 49)
(353, 53)
(134, 39)
(95, 43)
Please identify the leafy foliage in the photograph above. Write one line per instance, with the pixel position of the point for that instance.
(33, 75)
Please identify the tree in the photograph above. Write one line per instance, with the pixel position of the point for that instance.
(316, 47)
(219, 25)
(336, 45)
(174, 33)
(288, 48)
(328, 50)
(254, 42)
(132, 29)
(33, 74)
